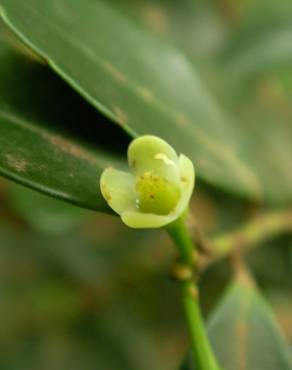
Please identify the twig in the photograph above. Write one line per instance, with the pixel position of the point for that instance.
(254, 233)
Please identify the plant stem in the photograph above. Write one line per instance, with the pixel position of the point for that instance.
(253, 233)
(202, 352)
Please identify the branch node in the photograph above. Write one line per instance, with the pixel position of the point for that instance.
(182, 272)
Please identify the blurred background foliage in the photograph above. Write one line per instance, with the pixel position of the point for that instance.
(81, 291)
(78, 290)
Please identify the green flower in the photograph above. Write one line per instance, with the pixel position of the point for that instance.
(156, 191)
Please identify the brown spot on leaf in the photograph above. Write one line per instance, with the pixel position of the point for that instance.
(146, 94)
(155, 17)
(121, 116)
(71, 148)
(116, 74)
(184, 179)
(182, 120)
(17, 164)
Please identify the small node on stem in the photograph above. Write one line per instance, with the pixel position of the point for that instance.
(195, 257)
(182, 272)
(202, 351)
(194, 292)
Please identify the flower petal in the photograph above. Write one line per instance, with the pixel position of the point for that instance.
(187, 175)
(151, 154)
(187, 182)
(139, 220)
(118, 188)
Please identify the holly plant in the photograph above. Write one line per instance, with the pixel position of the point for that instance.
(172, 121)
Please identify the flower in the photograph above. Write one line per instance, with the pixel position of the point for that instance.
(157, 191)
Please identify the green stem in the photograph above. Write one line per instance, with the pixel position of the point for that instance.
(202, 352)
(253, 233)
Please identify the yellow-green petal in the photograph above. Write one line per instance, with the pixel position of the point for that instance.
(187, 182)
(140, 220)
(187, 176)
(118, 189)
(151, 154)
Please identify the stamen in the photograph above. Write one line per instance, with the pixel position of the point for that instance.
(164, 158)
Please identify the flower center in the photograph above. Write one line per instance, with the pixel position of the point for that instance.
(156, 194)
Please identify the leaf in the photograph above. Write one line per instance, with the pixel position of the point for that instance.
(45, 144)
(196, 27)
(244, 333)
(141, 82)
(258, 46)
(147, 86)
(261, 45)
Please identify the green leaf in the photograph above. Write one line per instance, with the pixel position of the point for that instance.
(244, 333)
(141, 82)
(261, 44)
(147, 86)
(45, 144)
(196, 27)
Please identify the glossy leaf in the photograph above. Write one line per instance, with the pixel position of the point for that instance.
(261, 46)
(147, 86)
(141, 82)
(44, 143)
(260, 56)
(244, 332)
(199, 27)
(248, 80)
